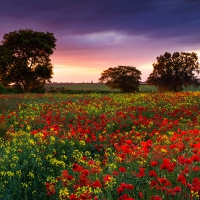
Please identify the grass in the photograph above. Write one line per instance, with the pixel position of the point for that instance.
(79, 86)
(101, 87)
(91, 86)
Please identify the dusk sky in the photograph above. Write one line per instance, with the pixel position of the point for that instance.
(93, 35)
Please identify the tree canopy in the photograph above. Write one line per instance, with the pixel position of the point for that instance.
(24, 59)
(173, 71)
(124, 78)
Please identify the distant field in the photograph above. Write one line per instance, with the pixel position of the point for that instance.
(79, 86)
(100, 86)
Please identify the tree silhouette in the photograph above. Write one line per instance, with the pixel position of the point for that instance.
(124, 78)
(24, 59)
(173, 71)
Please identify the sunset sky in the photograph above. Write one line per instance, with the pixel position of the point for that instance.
(93, 35)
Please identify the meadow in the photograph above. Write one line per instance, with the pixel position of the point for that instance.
(102, 147)
(101, 87)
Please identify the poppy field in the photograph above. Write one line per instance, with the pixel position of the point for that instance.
(142, 146)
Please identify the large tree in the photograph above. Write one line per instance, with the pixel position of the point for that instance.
(124, 78)
(173, 71)
(24, 59)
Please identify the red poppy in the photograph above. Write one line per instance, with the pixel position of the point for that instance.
(154, 163)
(76, 168)
(125, 148)
(122, 169)
(195, 158)
(96, 184)
(50, 188)
(152, 173)
(129, 142)
(188, 161)
(122, 156)
(156, 197)
(153, 183)
(140, 195)
(83, 180)
(120, 190)
(171, 192)
(164, 181)
(70, 177)
(168, 165)
(115, 173)
(129, 186)
(141, 172)
(196, 182)
(85, 172)
(181, 160)
(195, 168)
(125, 197)
(95, 170)
(107, 178)
(73, 197)
(177, 189)
(181, 179)
(64, 173)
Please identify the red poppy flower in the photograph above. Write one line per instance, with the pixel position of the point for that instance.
(125, 148)
(195, 168)
(152, 173)
(140, 195)
(115, 173)
(153, 183)
(177, 189)
(170, 192)
(181, 160)
(85, 172)
(123, 185)
(181, 179)
(125, 196)
(154, 163)
(107, 178)
(72, 197)
(129, 142)
(156, 197)
(195, 158)
(50, 188)
(122, 169)
(64, 173)
(120, 190)
(96, 184)
(188, 161)
(195, 182)
(70, 177)
(76, 168)
(141, 172)
(164, 181)
(129, 186)
(83, 180)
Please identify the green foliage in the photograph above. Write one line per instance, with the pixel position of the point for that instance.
(3, 89)
(173, 71)
(124, 78)
(24, 59)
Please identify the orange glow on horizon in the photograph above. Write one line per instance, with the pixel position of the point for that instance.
(88, 67)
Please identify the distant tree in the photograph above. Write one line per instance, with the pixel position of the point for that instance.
(124, 78)
(24, 59)
(173, 71)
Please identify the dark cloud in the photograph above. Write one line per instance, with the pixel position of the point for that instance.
(155, 19)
